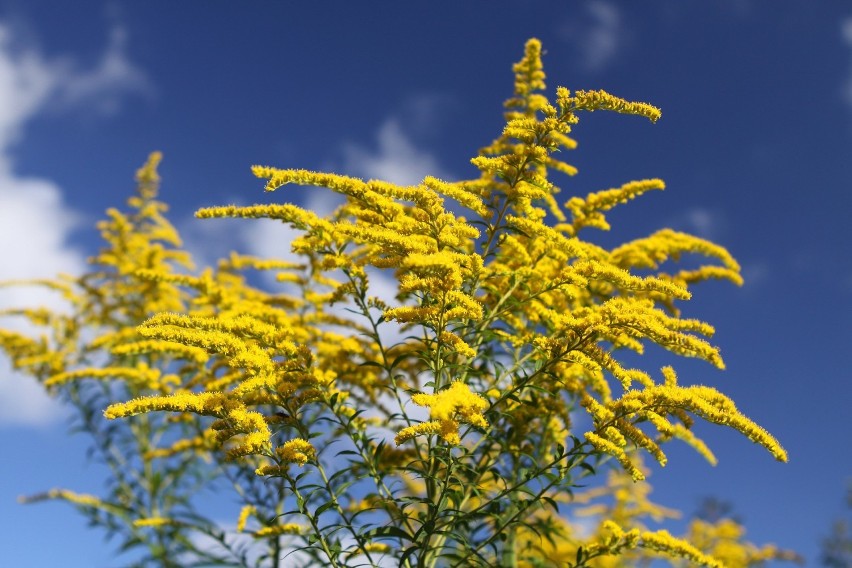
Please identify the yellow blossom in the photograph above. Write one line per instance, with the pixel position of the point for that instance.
(446, 409)
(245, 513)
(601, 100)
(277, 530)
(297, 451)
(152, 522)
(142, 375)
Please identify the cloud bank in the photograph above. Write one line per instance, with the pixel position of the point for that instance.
(35, 222)
(395, 158)
(598, 34)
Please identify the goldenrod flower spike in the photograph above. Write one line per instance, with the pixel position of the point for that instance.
(278, 530)
(588, 212)
(529, 77)
(447, 408)
(651, 252)
(297, 451)
(343, 184)
(659, 541)
(241, 420)
(83, 499)
(177, 350)
(614, 420)
(245, 513)
(206, 441)
(292, 214)
(152, 522)
(147, 175)
(459, 192)
(142, 376)
(601, 100)
(725, 540)
(458, 344)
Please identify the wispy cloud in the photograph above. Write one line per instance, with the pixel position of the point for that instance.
(711, 224)
(703, 222)
(755, 274)
(393, 155)
(105, 86)
(699, 221)
(846, 35)
(395, 158)
(34, 218)
(598, 34)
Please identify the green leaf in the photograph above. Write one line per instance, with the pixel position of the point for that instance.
(389, 531)
(323, 508)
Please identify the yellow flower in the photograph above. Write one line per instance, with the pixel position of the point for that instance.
(601, 100)
(277, 530)
(662, 541)
(142, 375)
(447, 408)
(297, 451)
(615, 420)
(377, 547)
(245, 513)
(152, 522)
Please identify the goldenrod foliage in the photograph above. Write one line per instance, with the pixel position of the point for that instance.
(307, 399)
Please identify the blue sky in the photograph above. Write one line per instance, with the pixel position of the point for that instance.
(754, 144)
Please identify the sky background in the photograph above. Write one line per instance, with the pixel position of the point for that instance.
(754, 145)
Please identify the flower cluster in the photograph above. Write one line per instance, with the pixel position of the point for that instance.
(506, 320)
(446, 409)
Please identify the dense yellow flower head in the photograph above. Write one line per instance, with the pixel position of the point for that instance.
(152, 522)
(245, 513)
(446, 409)
(277, 530)
(615, 421)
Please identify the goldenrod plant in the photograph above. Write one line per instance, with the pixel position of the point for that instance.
(90, 355)
(436, 426)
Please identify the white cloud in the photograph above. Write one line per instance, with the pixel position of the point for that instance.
(23, 401)
(846, 35)
(703, 222)
(104, 86)
(755, 274)
(25, 83)
(35, 223)
(396, 159)
(599, 34)
(699, 221)
(846, 30)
